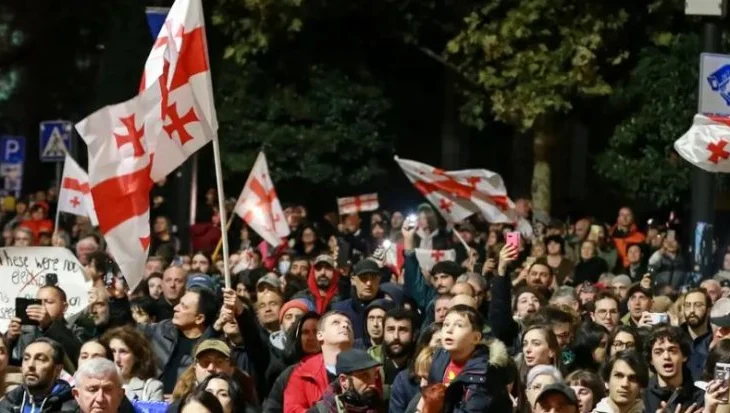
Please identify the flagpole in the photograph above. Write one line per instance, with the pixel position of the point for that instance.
(220, 241)
(458, 235)
(222, 209)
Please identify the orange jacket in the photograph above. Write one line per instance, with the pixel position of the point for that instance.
(634, 236)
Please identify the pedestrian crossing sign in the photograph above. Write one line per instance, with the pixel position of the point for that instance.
(55, 140)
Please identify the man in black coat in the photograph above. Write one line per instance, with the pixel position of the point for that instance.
(668, 349)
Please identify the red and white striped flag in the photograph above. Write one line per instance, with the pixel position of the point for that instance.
(259, 206)
(173, 116)
(360, 203)
(460, 194)
(428, 258)
(75, 196)
(705, 144)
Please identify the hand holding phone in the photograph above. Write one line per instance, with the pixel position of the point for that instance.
(21, 310)
(513, 238)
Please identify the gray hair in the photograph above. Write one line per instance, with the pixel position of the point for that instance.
(473, 277)
(543, 370)
(721, 308)
(565, 291)
(98, 368)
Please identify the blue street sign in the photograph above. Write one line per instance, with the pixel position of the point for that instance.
(12, 149)
(55, 140)
(156, 19)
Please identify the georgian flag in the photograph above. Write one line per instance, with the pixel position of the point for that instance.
(705, 144)
(360, 203)
(75, 196)
(428, 258)
(135, 143)
(460, 194)
(259, 206)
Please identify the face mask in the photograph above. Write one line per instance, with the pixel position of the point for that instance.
(284, 267)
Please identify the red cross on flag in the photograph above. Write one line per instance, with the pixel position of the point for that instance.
(359, 203)
(259, 206)
(119, 181)
(173, 115)
(460, 194)
(705, 144)
(75, 196)
(428, 258)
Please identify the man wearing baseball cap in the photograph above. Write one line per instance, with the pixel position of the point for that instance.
(366, 279)
(322, 283)
(556, 398)
(357, 388)
(639, 302)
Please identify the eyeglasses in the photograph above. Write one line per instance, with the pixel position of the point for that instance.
(604, 312)
(623, 344)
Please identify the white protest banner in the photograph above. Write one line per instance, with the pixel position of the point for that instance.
(23, 271)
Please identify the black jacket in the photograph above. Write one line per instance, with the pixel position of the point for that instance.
(482, 384)
(654, 395)
(504, 327)
(275, 402)
(58, 331)
(59, 400)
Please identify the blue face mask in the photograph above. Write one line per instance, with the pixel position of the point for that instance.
(284, 267)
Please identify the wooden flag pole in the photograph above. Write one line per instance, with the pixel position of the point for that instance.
(222, 210)
(220, 241)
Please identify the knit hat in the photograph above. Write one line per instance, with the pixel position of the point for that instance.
(300, 303)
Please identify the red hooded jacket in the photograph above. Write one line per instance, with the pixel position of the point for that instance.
(306, 385)
(321, 303)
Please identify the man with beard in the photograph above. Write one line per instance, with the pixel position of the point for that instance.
(668, 349)
(397, 349)
(357, 388)
(697, 304)
(322, 283)
(42, 390)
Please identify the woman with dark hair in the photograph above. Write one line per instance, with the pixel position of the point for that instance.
(562, 267)
(132, 353)
(430, 336)
(301, 343)
(589, 347)
(227, 391)
(623, 337)
(200, 402)
(590, 266)
(309, 245)
(588, 387)
(539, 346)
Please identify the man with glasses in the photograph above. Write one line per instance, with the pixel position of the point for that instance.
(697, 304)
(22, 237)
(606, 310)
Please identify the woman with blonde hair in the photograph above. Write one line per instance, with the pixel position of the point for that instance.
(132, 353)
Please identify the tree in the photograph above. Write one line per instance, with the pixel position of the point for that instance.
(529, 61)
(328, 128)
(659, 101)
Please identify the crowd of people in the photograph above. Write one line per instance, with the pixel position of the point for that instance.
(575, 318)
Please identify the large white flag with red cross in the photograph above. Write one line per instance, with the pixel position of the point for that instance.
(460, 194)
(75, 196)
(428, 258)
(172, 117)
(259, 206)
(705, 144)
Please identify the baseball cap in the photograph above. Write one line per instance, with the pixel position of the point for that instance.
(354, 360)
(269, 279)
(366, 266)
(324, 259)
(212, 344)
(200, 280)
(638, 288)
(558, 388)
